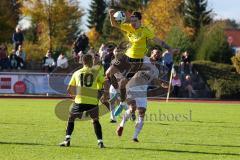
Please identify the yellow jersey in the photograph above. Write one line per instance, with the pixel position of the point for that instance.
(138, 39)
(86, 81)
(100, 70)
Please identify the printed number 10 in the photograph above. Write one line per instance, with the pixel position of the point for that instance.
(86, 80)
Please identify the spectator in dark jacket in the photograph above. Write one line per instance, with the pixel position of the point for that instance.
(188, 86)
(17, 59)
(81, 44)
(13, 60)
(17, 38)
(186, 61)
(4, 61)
(107, 59)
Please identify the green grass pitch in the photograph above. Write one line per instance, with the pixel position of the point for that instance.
(29, 130)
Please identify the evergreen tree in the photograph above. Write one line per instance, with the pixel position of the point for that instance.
(231, 23)
(97, 14)
(196, 14)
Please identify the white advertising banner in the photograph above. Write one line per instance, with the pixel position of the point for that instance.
(11, 83)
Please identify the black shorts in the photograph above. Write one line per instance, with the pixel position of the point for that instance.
(128, 66)
(78, 109)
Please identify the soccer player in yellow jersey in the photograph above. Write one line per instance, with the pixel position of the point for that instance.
(83, 87)
(99, 67)
(132, 61)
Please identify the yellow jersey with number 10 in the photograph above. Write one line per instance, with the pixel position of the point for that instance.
(138, 39)
(86, 81)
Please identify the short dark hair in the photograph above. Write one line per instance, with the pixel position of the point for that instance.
(157, 48)
(111, 47)
(137, 15)
(87, 60)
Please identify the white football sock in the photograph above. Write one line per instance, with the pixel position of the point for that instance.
(112, 112)
(123, 103)
(125, 117)
(138, 127)
(68, 136)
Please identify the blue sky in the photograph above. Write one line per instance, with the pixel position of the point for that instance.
(222, 8)
(226, 8)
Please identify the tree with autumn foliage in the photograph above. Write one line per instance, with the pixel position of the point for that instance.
(56, 22)
(93, 36)
(9, 17)
(161, 15)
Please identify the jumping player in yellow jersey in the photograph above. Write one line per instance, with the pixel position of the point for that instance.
(132, 61)
(83, 87)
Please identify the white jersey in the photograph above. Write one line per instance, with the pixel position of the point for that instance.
(150, 69)
(138, 85)
(145, 76)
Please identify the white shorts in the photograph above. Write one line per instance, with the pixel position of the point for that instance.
(141, 102)
(139, 95)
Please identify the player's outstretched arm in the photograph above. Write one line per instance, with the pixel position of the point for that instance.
(161, 43)
(165, 45)
(114, 23)
(161, 83)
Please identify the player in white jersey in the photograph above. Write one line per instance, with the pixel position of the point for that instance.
(137, 89)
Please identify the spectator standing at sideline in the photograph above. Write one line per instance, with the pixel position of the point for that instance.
(80, 45)
(17, 38)
(108, 57)
(185, 61)
(167, 59)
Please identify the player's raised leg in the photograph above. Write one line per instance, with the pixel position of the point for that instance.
(126, 116)
(122, 104)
